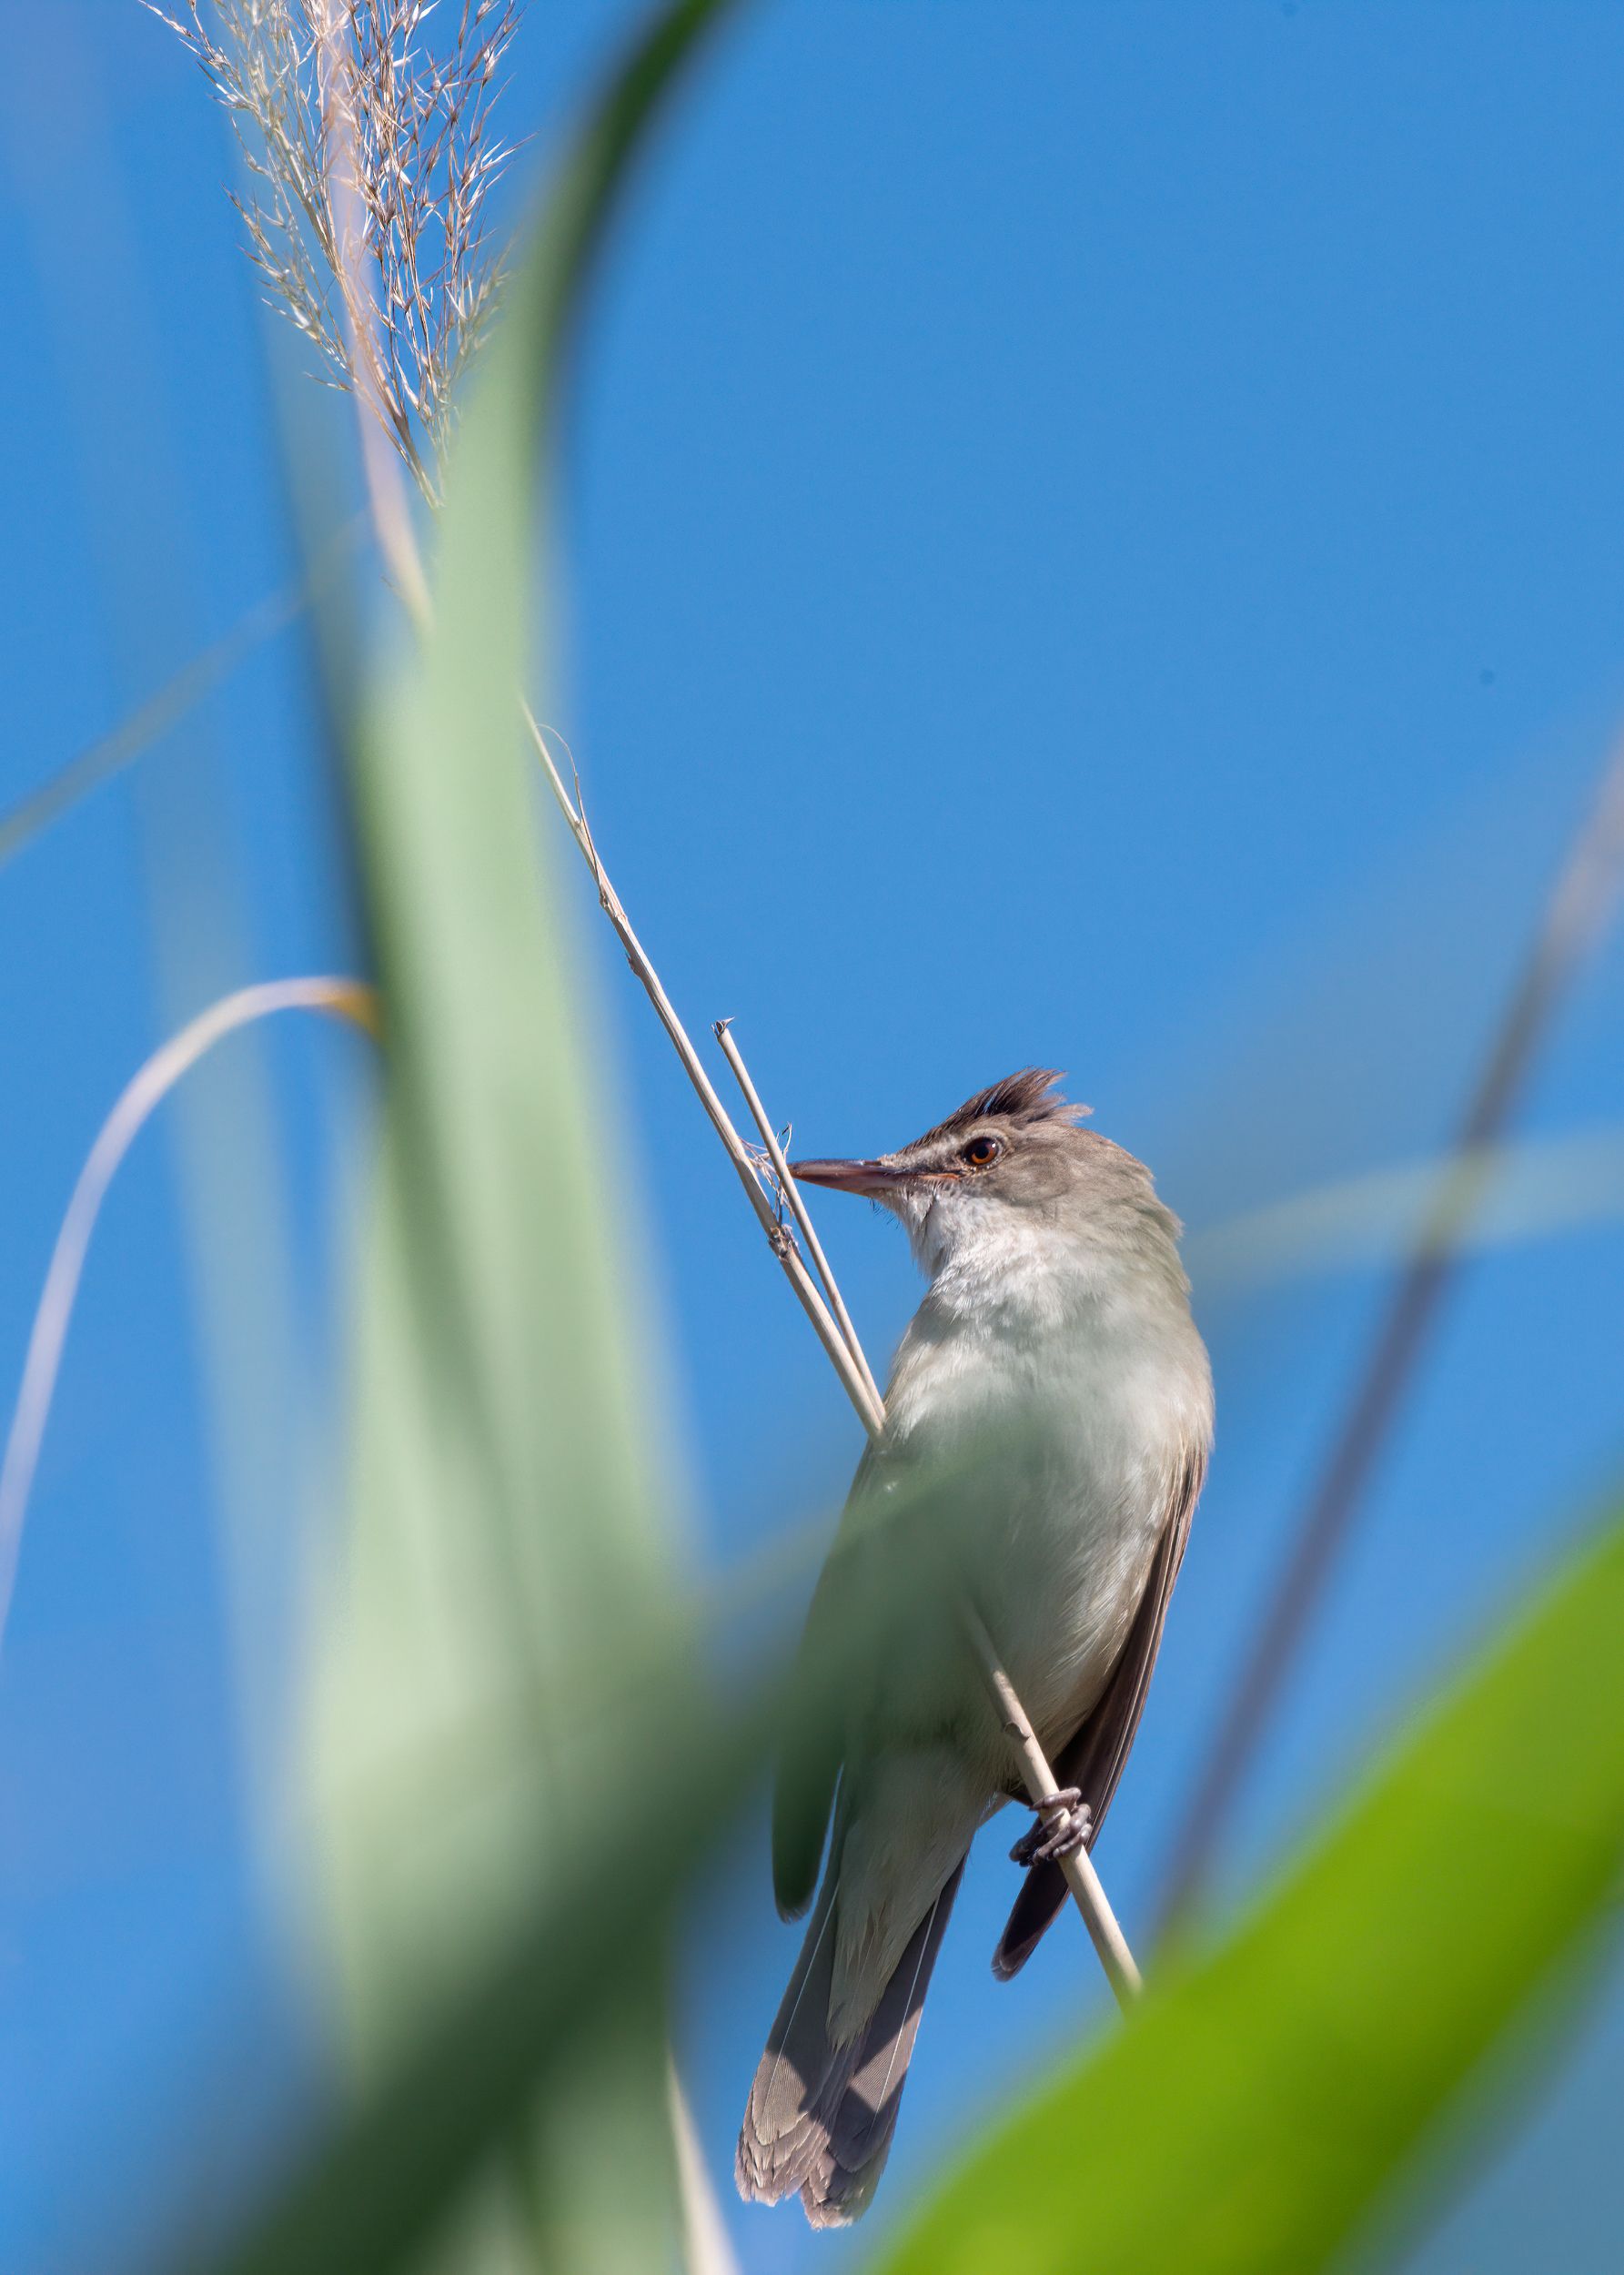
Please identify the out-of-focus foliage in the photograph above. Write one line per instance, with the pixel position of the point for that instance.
(440, 2137)
(495, 1647)
(1273, 2091)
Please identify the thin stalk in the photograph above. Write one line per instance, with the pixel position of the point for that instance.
(379, 416)
(1084, 1881)
(341, 999)
(797, 1206)
(779, 1238)
(1087, 1890)
(1581, 904)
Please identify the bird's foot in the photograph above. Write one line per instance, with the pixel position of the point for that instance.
(1063, 1825)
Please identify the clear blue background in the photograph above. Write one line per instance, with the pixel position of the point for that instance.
(1092, 534)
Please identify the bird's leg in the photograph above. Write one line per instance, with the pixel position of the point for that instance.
(1061, 1828)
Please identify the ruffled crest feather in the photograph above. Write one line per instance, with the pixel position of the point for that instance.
(1025, 1097)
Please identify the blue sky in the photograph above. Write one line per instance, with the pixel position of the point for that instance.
(1089, 535)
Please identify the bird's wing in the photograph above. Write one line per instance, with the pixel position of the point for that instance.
(1094, 1756)
(813, 1747)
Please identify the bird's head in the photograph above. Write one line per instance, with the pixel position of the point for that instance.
(1011, 1157)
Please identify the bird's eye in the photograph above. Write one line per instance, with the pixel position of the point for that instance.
(981, 1151)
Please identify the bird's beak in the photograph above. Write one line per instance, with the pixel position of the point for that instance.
(875, 1179)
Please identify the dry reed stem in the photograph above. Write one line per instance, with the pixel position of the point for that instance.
(340, 998)
(779, 1238)
(1120, 1969)
(797, 1206)
(1080, 1877)
(1581, 904)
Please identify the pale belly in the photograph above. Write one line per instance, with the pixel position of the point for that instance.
(1054, 1397)
(1058, 1599)
(1073, 1465)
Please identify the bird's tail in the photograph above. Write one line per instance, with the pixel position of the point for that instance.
(821, 2114)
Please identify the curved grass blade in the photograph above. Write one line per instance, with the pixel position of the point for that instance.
(1268, 2098)
(140, 1098)
(506, 1520)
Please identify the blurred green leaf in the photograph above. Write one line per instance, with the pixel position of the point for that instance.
(462, 2085)
(1268, 2096)
(508, 1537)
(425, 2124)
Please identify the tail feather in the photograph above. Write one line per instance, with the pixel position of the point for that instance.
(1041, 1895)
(778, 2140)
(821, 2116)
(1096, 1754)
(842, 2183)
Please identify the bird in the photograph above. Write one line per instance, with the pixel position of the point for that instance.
(1055, 1361)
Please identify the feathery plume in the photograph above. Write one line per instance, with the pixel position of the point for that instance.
(370, 160)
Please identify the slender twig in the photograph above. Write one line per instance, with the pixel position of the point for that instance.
(1580, 906)
(797, 1206)
(1084, 1881)
(342, 999)
(779, 1240)
(1080, 1877)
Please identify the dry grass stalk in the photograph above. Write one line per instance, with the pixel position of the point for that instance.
(1122, 1970)
(779, 1237)
(779, 1169)
(370, 160)
(1583, 904)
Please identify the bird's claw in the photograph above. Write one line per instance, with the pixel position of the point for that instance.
(1063, 1825)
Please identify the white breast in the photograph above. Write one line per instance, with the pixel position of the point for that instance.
(1082, 1384)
